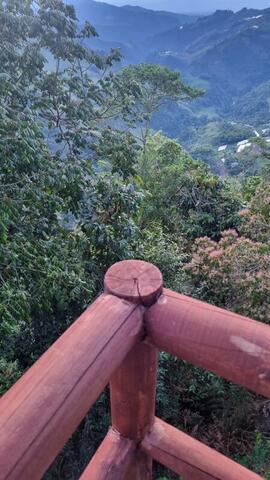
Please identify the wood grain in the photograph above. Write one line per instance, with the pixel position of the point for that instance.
(190, 458)
(134, 280)
(41, 411)
(111, 459)
(234, 347)
(133, 392)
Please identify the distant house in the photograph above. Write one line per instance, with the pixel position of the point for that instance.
(243, 145)
(222, 148)
(255, 17)
(243, 142)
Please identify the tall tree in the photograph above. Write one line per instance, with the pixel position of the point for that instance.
(183, 194)
(61, 222)
(153, 86)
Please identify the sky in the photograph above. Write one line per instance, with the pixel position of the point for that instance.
(193, 5)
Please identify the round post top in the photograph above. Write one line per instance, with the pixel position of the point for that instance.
(134, 280)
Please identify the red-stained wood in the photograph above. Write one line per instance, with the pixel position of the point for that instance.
(134, 280)
(234, 347)
(133, 391)
(112, 459)
(133, 385)
(40, 412)
(190, 458)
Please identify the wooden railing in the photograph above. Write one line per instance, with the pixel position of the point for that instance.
(117, 340)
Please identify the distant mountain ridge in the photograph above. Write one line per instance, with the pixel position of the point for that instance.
(209, 31)
(226, 53)
(128, 24)
(221, 48)
(229, 50)
(195, 6)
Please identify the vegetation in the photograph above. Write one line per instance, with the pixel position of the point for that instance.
(80, 191)
(157, 85)
(185, 197)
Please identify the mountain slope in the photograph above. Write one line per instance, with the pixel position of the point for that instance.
(254, 105)
(230, 51)
(128, 24)
(243, 59)
(227, 54)
(208, 31)
(178, 40)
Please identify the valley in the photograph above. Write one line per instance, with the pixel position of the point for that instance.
(216, 53)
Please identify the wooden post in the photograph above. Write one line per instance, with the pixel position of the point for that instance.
(133, 385)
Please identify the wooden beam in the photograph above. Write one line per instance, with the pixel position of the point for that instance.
(133, 385)
(41, 411)
(190, 458)
(112, 459)
(232, 346)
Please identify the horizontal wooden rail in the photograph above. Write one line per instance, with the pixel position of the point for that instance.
(116, 339)
(234, 347)
(190, 458)
(112, 459)
(40, 412)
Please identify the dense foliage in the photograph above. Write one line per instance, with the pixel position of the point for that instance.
(185, 196)
(233, 273)
(84, 182)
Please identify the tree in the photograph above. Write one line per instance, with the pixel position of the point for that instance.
(255, 222)
(78, 194)
(232, 273)
(61, 224)
(183, 195)
(117, 151)
(153, 86)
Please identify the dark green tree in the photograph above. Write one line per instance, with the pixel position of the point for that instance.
(117, 150)
(153, 86)
(61, 223)
(183, 195)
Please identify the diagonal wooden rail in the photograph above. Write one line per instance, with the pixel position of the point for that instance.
(117, 340)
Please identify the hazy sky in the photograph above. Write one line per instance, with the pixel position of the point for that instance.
(193, 5)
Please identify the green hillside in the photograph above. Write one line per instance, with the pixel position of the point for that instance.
(226, 54)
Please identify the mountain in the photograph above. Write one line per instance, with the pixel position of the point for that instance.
(219, 51)
(226, 54)
(254, 105)
(196, 5)
(223, 47)
(128, 24)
